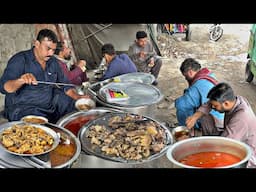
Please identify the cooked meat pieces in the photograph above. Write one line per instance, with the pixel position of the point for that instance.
(26, 139)
(130, 141)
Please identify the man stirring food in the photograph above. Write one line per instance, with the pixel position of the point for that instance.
(19, 82)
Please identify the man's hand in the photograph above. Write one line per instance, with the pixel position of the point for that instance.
(191, 121)
(13, 85)
(73, 94)
(27, 78)
(142, 54)
(151, 62)
(82, 65)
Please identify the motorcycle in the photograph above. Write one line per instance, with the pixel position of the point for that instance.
(216, 32)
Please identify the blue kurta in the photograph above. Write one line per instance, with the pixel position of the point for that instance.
(45, 100)
(121, 64)
(193, 97)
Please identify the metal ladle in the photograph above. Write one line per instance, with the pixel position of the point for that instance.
(79, 88)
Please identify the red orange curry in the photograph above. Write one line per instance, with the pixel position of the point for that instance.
(75, 125)
(210, 159)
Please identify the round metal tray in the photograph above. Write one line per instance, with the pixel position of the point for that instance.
(8, 160)
(140, 94)
(103, 120)
(49, 131)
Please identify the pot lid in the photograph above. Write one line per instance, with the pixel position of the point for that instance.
(136, 77)
(132, 94)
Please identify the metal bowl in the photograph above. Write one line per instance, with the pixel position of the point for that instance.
(180, 132)
(194, 145)
(85, 104)
(34, 119)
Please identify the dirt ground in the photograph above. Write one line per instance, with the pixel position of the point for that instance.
(226, 58)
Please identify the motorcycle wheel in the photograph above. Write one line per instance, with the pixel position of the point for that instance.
(248, 73)
(216, 33)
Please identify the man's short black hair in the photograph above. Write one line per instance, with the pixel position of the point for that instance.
(59, 47)
(188, 64)
(108, 49)
(47, 33)
(141, 34)
(221, 92)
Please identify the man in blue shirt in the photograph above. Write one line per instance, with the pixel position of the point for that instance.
(116, 64)
(200, 81)
(19, 82)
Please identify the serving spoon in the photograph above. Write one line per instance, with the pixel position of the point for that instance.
(52, 83)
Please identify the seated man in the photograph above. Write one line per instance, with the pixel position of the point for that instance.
(116, 64)
(240, 119)
(75, 73)
(200, 81)
(144, 56)
(24, 95)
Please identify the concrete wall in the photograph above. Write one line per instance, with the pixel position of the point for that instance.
(14, 38)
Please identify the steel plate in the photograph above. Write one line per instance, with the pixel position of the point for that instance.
(46, 129)
(52, 159)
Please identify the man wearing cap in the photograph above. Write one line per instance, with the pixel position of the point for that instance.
(144, 56)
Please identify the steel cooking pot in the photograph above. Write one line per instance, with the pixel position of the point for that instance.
(195, 145)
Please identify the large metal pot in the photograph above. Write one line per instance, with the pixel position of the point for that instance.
(143, 98)
(194, 145)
